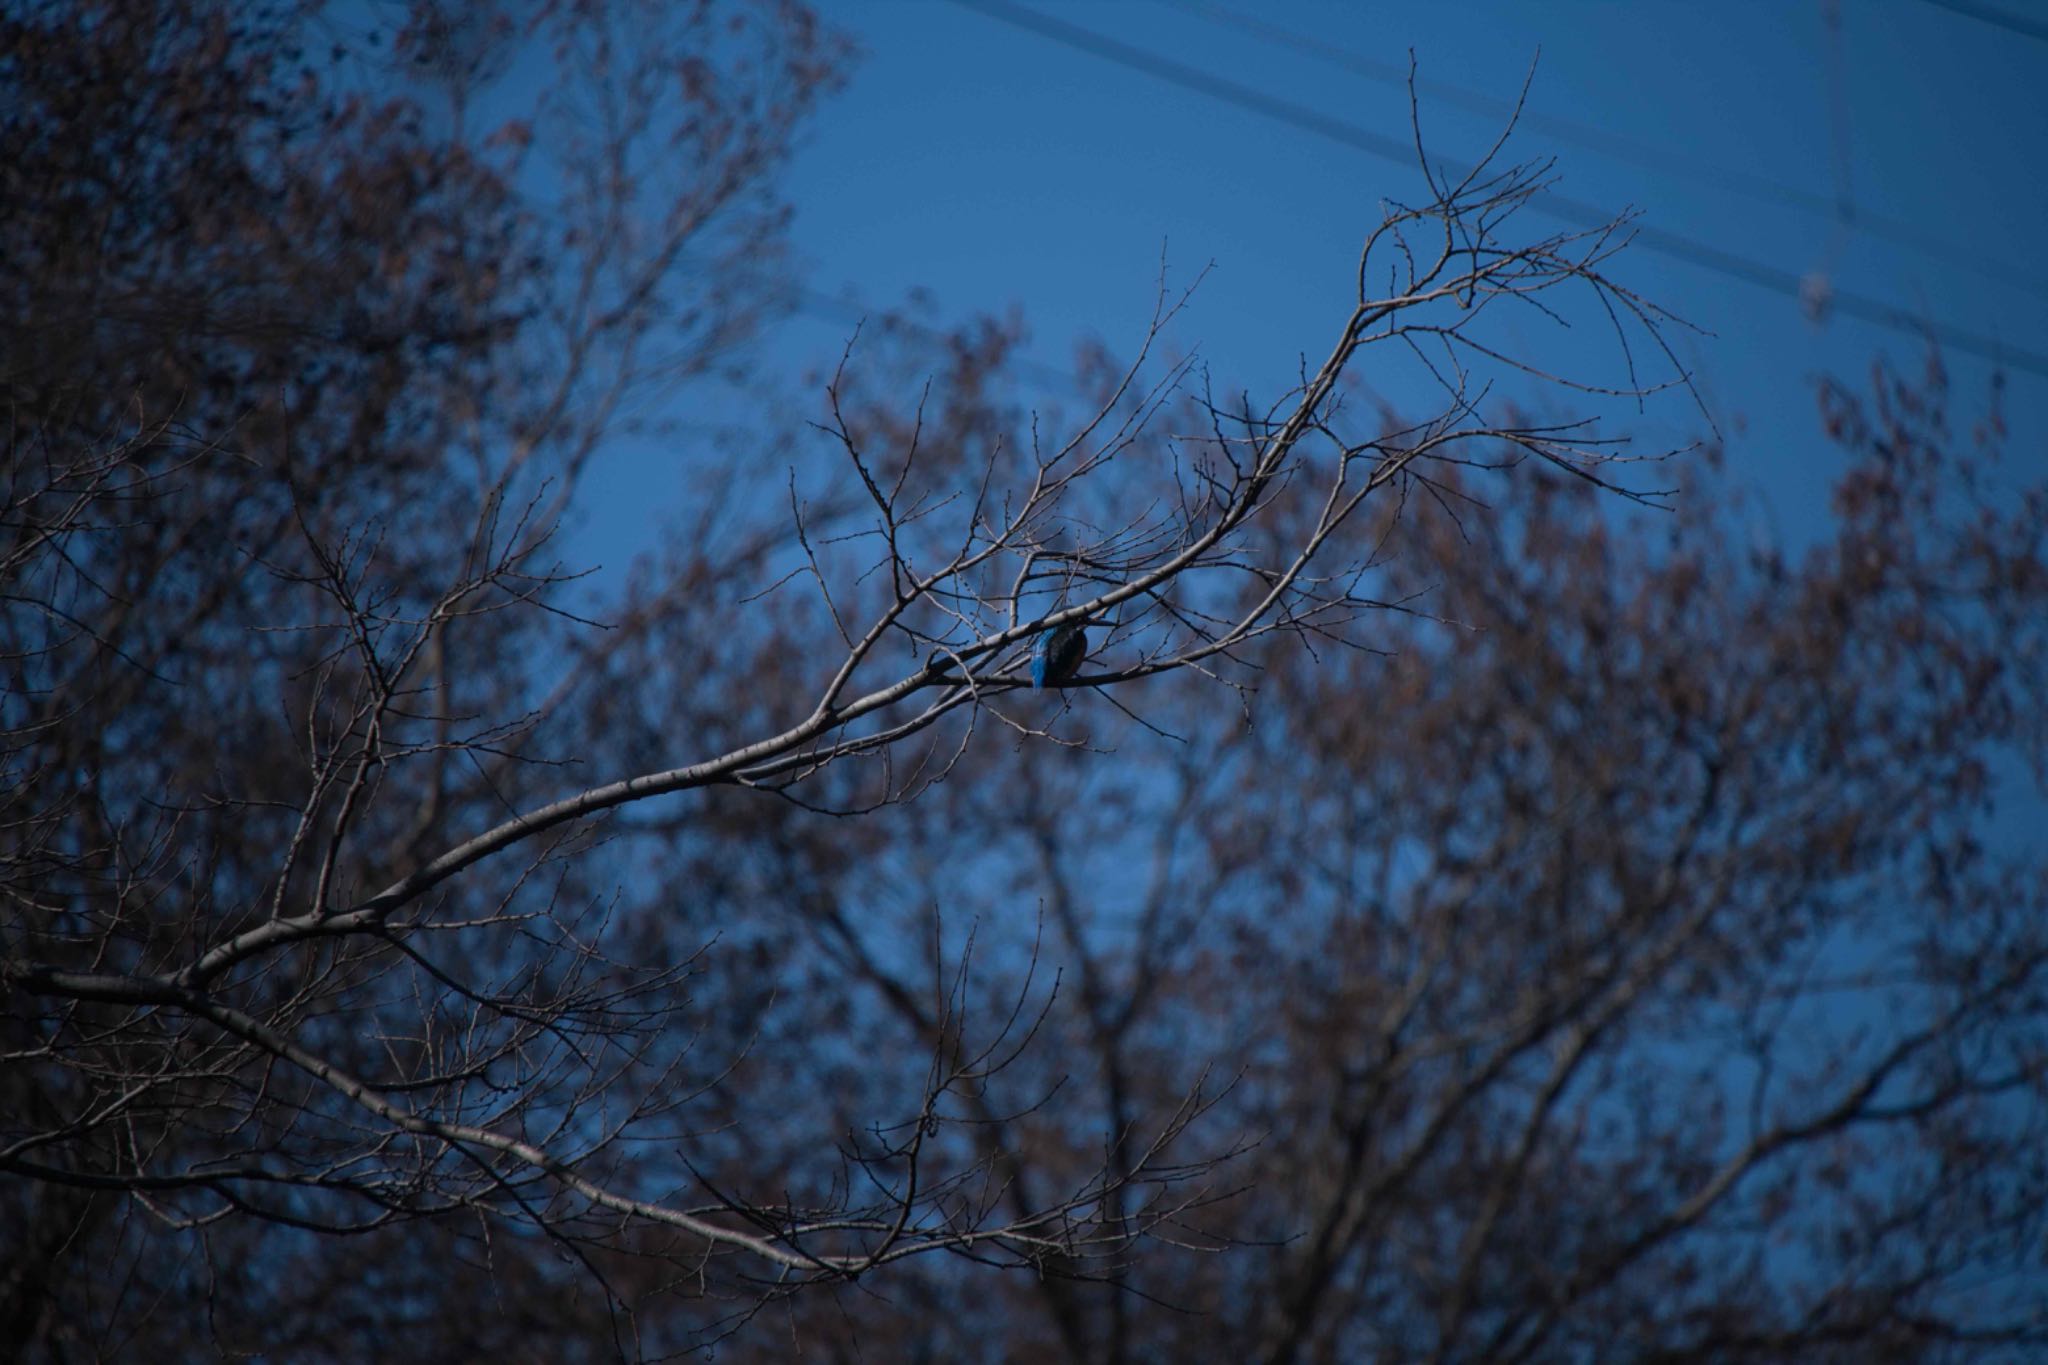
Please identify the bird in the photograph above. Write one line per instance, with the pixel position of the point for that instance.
(1057, 654)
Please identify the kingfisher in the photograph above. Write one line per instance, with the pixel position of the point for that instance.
(1057, 654)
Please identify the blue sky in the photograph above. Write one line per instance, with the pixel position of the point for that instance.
(1000, 168)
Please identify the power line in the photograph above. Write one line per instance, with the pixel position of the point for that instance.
(1674, 245)
(1984, 14)
(1763, 189)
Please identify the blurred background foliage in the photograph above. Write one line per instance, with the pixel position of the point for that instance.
(1620, 956)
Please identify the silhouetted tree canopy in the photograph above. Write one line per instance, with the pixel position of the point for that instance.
(1480, 896)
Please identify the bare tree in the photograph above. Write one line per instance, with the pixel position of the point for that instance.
(1625, 963)
(360, 885)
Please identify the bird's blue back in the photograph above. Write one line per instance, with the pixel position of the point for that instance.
(1057, 654)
